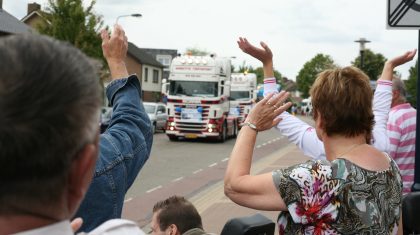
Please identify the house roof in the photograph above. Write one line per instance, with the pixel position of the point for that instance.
(155, 51)
(142, 56)
(31, 15)
(10, 24)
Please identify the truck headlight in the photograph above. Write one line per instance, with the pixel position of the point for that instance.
(211, 126)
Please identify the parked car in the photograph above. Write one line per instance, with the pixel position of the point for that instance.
(157, 115)
(106, 113)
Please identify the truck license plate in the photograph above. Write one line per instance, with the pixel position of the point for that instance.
(191, 136)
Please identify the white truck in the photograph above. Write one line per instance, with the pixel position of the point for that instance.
(243, 92)
(197, 93)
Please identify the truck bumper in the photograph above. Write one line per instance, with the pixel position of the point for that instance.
(192, 135)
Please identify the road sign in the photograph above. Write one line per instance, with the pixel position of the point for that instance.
(403, 14)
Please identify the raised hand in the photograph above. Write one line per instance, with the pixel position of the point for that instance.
(388, 70)
(115, 49)
(265, 114)
(402, 59)
(263, 54)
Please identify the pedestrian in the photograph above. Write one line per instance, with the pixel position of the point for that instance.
(176, 216)
(293, 110)
(402, 132)
(324, 196)
(49, 134)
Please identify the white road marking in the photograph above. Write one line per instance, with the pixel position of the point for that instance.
(127, 200)
(178, 179)
(225, 159)
(212, 165)
(259, 146)
(153, 189)
(199, 170)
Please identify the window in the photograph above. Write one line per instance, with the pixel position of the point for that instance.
(146, 74)
(155, 76)
(193, 88)
(164, 59)
(161, 109)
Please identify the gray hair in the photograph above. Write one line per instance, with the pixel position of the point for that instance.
(49, 109)
(398, 85)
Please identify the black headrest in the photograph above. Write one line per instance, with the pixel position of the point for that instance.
(252, 225)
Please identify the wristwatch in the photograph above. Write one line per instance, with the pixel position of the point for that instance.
(252, 126)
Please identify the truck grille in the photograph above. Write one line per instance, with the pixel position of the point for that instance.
(192, 126)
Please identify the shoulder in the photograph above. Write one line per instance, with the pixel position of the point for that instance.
(117, 226)
(310, 173)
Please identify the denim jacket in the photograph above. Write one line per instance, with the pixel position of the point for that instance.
(124, 148)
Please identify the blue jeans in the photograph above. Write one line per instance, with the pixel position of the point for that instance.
(124, 148)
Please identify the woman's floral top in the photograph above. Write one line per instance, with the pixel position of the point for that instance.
(338, 197)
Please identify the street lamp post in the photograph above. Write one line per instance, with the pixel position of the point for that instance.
(130, 15)
(362, 42)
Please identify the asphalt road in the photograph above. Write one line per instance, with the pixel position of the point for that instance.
(187, 168)
(172, 161)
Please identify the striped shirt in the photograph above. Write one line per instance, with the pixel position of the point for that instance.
(402, 138)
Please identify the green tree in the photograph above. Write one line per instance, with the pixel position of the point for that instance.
(373, 63)
(197, 51)
(68, 20)
(411, 84)
(259, 72)
(310, 70)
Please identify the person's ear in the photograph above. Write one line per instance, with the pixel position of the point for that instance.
(318, 120)
(173, 230)
(80, 175)
(319, 125)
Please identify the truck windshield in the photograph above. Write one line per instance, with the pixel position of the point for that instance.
(239, 95)
(193, 88)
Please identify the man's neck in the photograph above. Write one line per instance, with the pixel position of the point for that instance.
(396, 103)
(20, 223)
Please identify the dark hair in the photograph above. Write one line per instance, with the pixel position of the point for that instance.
(179, 211)
(343, 97)
(49, 109)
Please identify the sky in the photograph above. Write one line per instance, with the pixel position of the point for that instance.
(295, 30)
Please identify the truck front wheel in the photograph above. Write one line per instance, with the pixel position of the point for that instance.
(223, 133)
(235, 129)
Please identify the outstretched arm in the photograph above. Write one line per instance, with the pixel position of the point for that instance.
(297, 131)
(382, 100)
(124, 146)
(254, 191)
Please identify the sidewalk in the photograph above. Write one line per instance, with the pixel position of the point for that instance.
(216, 209)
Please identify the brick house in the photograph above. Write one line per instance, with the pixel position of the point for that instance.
(148, 70)
(33, 16)
(164, 56)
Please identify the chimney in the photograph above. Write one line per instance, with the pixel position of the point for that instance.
(32, 7)
(1, 4)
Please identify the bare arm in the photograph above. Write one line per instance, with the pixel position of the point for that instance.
(258, 191)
